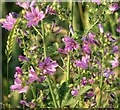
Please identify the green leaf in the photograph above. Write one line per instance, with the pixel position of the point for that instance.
(62, 92)
(68, 99)
(82, 91)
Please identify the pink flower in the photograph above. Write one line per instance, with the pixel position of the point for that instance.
(50, 10)
(19, 41)
(62, 51)
(34, 16)
(9, 23)
(33, 76)
(86, 49)
(18, 73)
(28, 104)
(48, 67)
(23, 58)
(115, 49)
(100, 26)
(70, 43)
(27, 4)
(34, 47)
(114, 7)
(91, 81)
(90, 94)
(108, 72)
(18, 86)
(74, 92)
(115, 62)
(118, 29)
(84, 81)
(97, 1)
(118, 20)
(83, 63)
(89, 39)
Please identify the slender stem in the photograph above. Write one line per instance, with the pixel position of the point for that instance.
(68, 68)
(61, 68)
(52, 93)
(44, 43)
(33, 92)
(81, 14)
(7, 74)
(101, 79)
(45, 55)
(68, 56)
(71, 9)
(37, 31)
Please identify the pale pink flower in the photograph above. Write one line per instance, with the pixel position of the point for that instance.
(9, 22)
(34, 16)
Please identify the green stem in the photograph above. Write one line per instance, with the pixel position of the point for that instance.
(52, 93)
(101, 80)
(71, 9)
(45, 55)
(7, 74)
(68, 69)
(33, 92)
(44, 43)
(37, 31)
(81, 14)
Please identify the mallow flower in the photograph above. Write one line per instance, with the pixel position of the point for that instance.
(89, 39)
(114, 7)
(115, 49)
(74, 92)
(28, 104)
(9, 22)
(86, 49)
(27, 4)
(83, 63)
(115, 62)
(33, 76)
(18, 72)
(62, 51)
(23, 58)
(48, 66)
(108, 72)
(50, 10)
(96, 1)
(84, 81)
(34, 16)
(70, 43)
(100, 26)
(18, 86)
(118, 29)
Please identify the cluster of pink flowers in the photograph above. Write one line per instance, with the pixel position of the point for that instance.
(70, 45)
(85, 60)
(83, 63)
(18, 84)
(47, 67)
